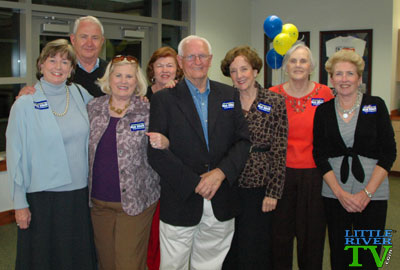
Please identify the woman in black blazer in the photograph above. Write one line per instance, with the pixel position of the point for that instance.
(354, 148)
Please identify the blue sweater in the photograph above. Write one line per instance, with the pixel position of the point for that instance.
(45, 152)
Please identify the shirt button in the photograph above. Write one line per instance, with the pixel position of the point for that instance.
(123, 190)
(120, 152)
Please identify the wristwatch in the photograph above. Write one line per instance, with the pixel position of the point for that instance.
(369, 194)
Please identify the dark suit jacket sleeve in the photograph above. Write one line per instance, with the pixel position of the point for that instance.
(234, 161)
(164, 162)
(321, 138)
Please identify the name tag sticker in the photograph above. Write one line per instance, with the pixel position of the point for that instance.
(41, 105)
(369, 109)
(137, 126)
(265, 108)
(317, 101)
(228, 105)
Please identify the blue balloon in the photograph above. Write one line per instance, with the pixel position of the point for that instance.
(272, 26)
(274, 59)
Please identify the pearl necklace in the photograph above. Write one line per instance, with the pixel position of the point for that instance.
(117, 110)
(66, 106)
(346, 113)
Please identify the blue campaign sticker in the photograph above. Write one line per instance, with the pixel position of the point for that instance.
(137, 126)
(369, 109)
(265, 108)
(228, 105)
(41, 105)
(317, 101)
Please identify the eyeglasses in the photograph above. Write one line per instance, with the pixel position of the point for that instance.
(192, 57)
(120, 58)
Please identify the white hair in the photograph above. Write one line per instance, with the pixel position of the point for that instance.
(189, 38)
(90, 19)
(296, 46)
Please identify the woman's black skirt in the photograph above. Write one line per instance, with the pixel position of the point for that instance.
(60, 234)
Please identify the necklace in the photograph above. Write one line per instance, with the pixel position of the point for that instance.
(117, 110)
(66, 105)
(346, 113)
(299, 105)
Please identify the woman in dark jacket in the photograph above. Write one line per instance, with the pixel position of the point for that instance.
(354, 148)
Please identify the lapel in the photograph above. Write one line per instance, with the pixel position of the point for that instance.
(186, 105)
(46, 116)
(214, 107)
(361, 124)
(333, 122)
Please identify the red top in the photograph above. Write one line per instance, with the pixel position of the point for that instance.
(300, 113)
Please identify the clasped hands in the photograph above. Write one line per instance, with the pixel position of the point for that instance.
(210, 183)
(354, 203)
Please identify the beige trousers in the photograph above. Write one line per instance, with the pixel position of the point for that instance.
(121, 240)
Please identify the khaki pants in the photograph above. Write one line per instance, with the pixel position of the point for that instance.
(204, 245)
(121, 240)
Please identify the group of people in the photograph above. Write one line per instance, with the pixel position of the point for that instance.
(205, 176)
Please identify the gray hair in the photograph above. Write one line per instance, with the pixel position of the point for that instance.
(296, 46)
(87, 18)
(189, 38)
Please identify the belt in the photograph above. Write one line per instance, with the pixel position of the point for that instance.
(255, 149)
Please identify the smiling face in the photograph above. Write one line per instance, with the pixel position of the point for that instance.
(56, 69)
(164, 70)
(123, 81)
(196, 66)
(345, 78)
(298, 66)
(242, 74)
(87, 41)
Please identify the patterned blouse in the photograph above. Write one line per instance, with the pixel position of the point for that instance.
(268, 130)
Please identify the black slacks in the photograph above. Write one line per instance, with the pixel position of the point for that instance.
(300, 214)
(251, 243)
(372, 218)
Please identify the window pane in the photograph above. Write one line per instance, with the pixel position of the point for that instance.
(7, 97)
(131, 7)
(9, 43)
(171, 35)
(123, 47)
(175, 10)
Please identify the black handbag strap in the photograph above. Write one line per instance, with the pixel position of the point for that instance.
(80, 92)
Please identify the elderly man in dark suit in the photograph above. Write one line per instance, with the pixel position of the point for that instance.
(209, 145)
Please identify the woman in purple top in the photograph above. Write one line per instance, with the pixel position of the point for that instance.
(124, 189)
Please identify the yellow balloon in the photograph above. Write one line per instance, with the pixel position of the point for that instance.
(292, 31)
(282, 43)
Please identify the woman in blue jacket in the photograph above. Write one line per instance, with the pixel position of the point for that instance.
(47, 158)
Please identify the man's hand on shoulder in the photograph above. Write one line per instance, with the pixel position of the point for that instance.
(210, 183)
(27, 90)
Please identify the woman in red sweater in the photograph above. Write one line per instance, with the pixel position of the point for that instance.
(300, 211)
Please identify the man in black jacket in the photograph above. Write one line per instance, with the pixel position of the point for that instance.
(209, 145)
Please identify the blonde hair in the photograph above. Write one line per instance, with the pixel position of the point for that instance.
(141, 85)
(345, 55)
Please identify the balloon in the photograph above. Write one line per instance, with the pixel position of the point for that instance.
(292, 31)
(282, 43)
(272, 26)
(274, 60)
